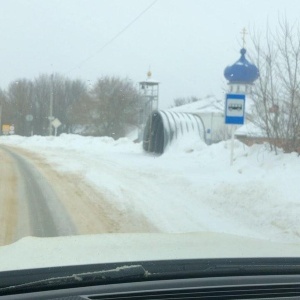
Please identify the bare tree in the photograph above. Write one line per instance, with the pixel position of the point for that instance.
(276, 95)
(26, 104)
(109, 109)
(42, 90)
(65, 93)
(115, 105)
(19, 105)
(81, 117)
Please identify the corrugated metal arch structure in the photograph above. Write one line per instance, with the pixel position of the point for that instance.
(164, 126)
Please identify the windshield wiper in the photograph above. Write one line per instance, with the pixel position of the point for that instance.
(123, 273)
(24, 281)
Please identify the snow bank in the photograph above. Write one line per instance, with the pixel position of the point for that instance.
(74, 142)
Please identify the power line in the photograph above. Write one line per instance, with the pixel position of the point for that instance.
(114, 37)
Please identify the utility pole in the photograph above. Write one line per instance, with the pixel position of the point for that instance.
(51, 107)
(149, 90)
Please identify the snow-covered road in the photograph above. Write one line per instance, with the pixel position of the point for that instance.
(38, 201)
(29, 206)
(8, 203)
(190, 188)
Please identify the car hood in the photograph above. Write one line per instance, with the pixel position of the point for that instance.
(33, 252)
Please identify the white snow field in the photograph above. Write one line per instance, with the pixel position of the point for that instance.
(190, 188)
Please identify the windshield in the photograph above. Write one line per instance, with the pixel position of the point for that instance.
(165, 129)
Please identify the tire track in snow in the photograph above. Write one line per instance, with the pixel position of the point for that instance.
(37, 211)
(90, 211)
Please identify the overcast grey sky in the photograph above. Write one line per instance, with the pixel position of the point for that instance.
(187, 43)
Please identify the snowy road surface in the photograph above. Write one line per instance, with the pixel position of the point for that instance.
(29, 204)
(108, 185)
(37, 201)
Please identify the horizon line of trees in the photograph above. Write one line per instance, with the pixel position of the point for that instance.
(110, 107)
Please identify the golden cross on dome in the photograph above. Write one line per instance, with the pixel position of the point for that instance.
(244, 32)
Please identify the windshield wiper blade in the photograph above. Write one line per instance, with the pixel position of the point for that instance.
(24, 281)
(118, 274)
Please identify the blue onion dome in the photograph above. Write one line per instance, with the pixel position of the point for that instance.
(242, 71)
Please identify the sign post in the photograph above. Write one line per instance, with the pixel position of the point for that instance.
(8, 129)
(12, 129)
(29, 119)
(5, 129)
(56, 123)
(234, 115)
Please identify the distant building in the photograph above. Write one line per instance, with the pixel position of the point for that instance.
(211, 111)
(203, 119)
(241, 75)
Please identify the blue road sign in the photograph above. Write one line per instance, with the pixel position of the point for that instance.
(235, 109)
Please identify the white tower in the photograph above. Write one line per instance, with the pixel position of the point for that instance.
(149, 91)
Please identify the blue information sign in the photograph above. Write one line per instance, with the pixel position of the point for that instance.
(235, 109)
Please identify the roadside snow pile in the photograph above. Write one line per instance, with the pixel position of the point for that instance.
(72, 141)
(190, 188)
(186, 143)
